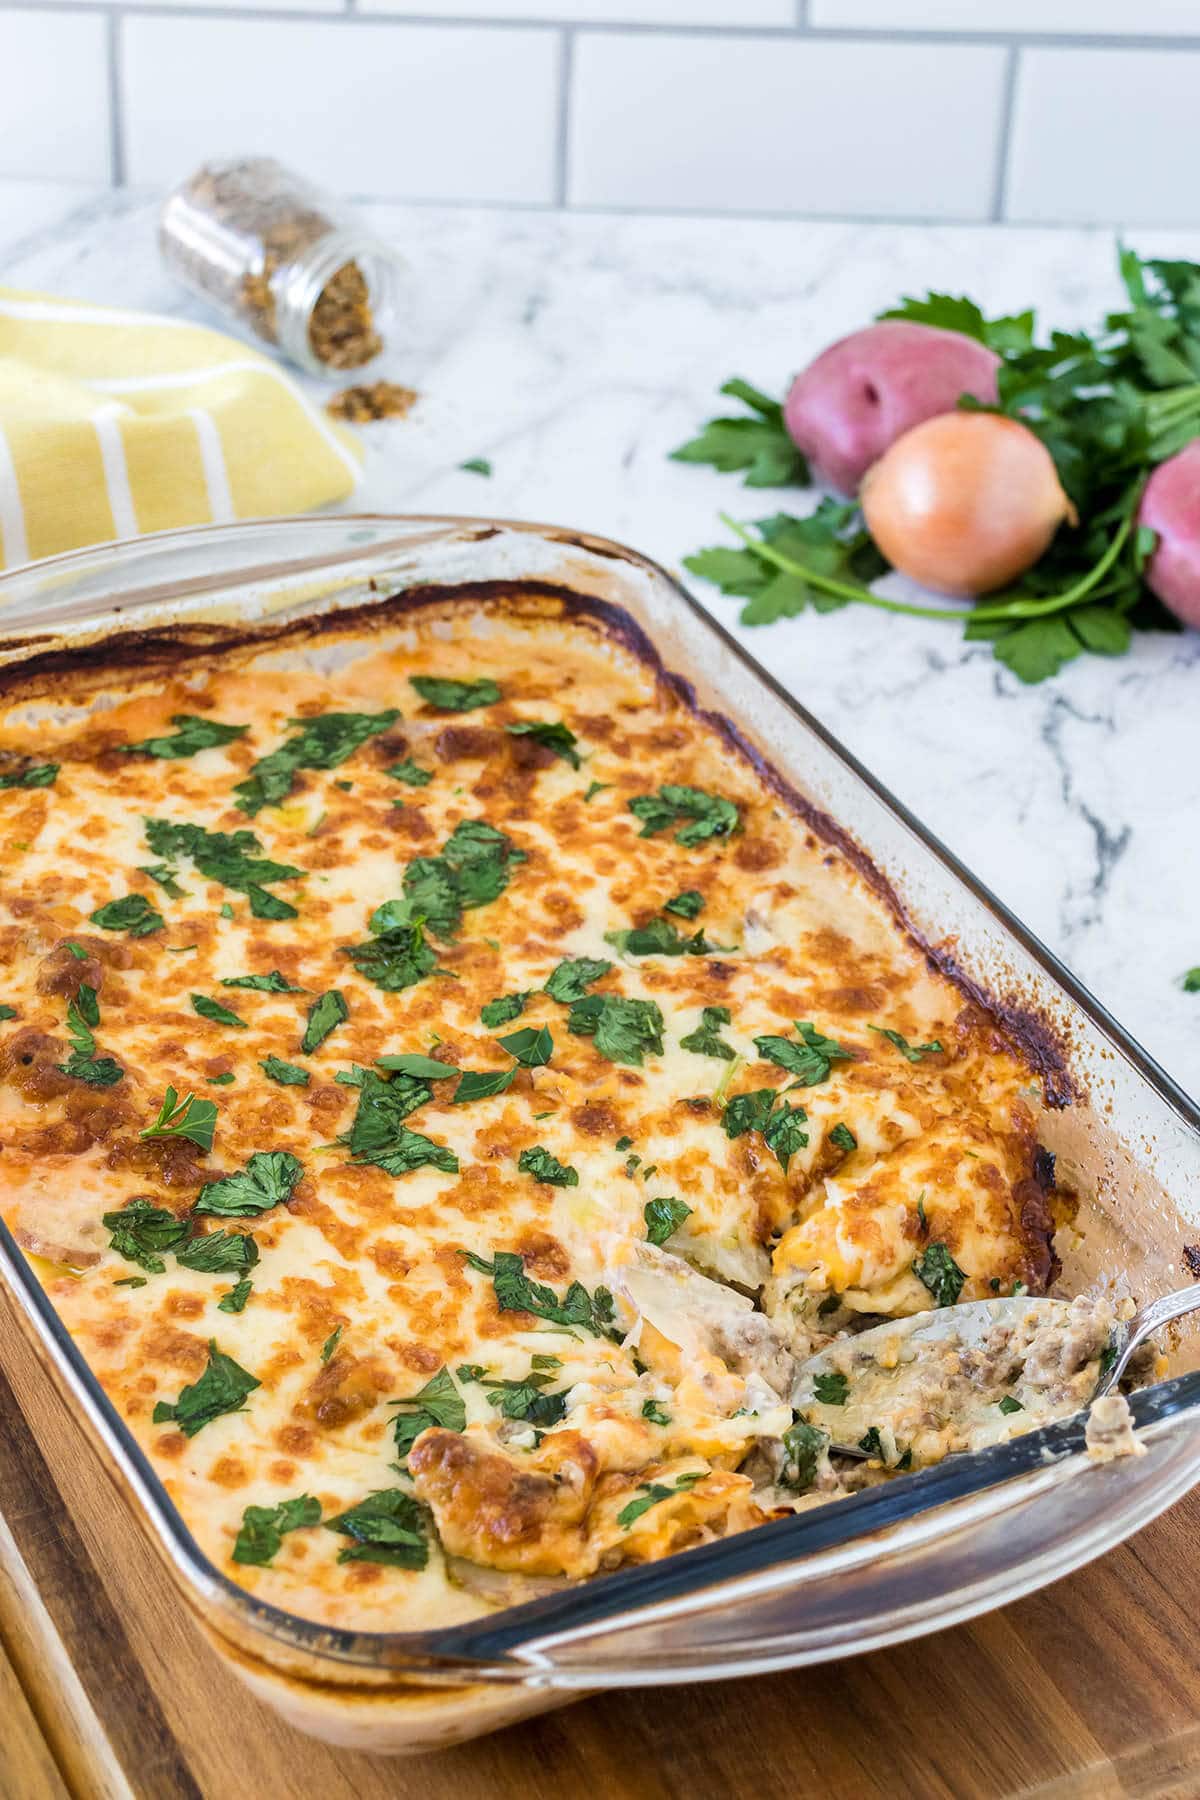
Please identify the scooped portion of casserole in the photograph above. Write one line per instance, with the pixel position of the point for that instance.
(446, 1084)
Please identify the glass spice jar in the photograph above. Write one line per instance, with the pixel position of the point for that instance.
(286, 263)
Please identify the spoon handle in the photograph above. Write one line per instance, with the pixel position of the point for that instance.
(1145, 1323)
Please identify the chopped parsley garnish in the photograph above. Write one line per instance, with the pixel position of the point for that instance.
(425, 1068)
(623, 1030)
(1010, 1404)
(516, 1293)
(924, 1222)
(438, 1403)
(394, 959)
(552, 735)
(133, 914)
(83, 1064)
(131, 1281)
(194, 734)
(33, 775)
(530, 1048)
(809, 1060)
(285, 1073)
(653, 1411)
(231, 859)
(661, 938)
(706, 815)
(803, 1445)
(226, 910)
(596, 787)
(448, 695)
(274, 983)
(831, 1389)
(525, 1399)
(779, 1124)
(623, 1143)
(473, 868)
(235, 1300)
(663, 1218)
(651, 1492)
(844, 1138)
(326, 1013)
(686, 905)
(219, 1253)
(411, 773)
(506, 1008)
(383, 1528)
(221, 1080)
(7, 1011)
(937, 1269)
(571, 979)
(212, 1009)
(141, 1232)
(379, 1134)
(871, 1444)
(165, 876)
(476, 465)
(321, 742)
(266, 1181)
(187, 1118)
(331, 1343)
(539, 1163)
(706, 1039)
(222, 1388)
(262, 1528)
(910, 1052)
(1191, 981)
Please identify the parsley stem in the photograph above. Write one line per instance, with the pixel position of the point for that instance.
(826, 584)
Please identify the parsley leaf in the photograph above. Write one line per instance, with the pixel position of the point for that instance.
(194, 734)
(411, 773)
(596, 787)
(831, 1389)
(141, 1231)
(219, 1253)
(660, 938)
(687, 905)
(33, 775)
(532, 1046)
(539, 1163)
(229, 858)
(235, 1300)
(212, 1009)
(706, 1039)
(187, 1118)
(940, 1274)
(552, 735)
(379, 1135)
(572, 978)
(274, 983)
(438, 1403)
(653, 1411)
(222, 1388)
(844, 1138)
(83, 1064)
(476, 465)
(623, 1030)
(910, 1052)
(1009, 1404)
(262, 1528)
(225, 1080)
(383, 1528)
(326, 1013)
(473, 868)
(266, 1181)
(516, 1293)
(809, 1060)
(663, 1218)
(757, 442)
(651, 1492)
(780, 1125)
(133, 914)
(425, 1068)
(524, 1399)
(1191, 982)
(164, 875)
(803, 1445)
(6, 1011)
(506, 1008)
(323, 741)
(285, 1073)
(710, 815)
(394, 959)
(448, 695)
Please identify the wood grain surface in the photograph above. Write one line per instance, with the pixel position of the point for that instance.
(107, 1689)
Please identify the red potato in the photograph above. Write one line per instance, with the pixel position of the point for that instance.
(1171, 507)
(865, 391)
(964, 503)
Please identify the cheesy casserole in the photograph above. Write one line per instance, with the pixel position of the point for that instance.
(446, 1084)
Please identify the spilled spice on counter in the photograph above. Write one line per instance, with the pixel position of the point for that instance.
(372, 400)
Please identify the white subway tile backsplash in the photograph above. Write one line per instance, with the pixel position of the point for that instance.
(410, 111)
(54, 119)
(740, 13)
(802, 126)
(1106, 136)
(1118, 17)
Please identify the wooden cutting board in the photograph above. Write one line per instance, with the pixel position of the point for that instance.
(107, 1690)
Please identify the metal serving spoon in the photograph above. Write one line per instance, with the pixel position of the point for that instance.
(892, 1361)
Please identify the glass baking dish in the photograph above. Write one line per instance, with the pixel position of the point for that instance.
(917, 1554)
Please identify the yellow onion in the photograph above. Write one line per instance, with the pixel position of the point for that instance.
(965, 502)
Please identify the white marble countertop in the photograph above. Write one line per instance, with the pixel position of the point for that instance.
(575, 351)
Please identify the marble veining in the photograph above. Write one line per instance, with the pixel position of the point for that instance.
(575, 351)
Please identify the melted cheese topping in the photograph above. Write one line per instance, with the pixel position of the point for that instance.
(685, 1377)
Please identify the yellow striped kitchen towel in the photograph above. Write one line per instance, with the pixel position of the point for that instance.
(114, 423)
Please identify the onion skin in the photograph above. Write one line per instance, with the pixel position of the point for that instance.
(1171, 507)
(868, 389)
(965, 503)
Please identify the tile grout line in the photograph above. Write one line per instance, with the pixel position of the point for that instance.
(1008, 96)
(116, 108)
(566, 74)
